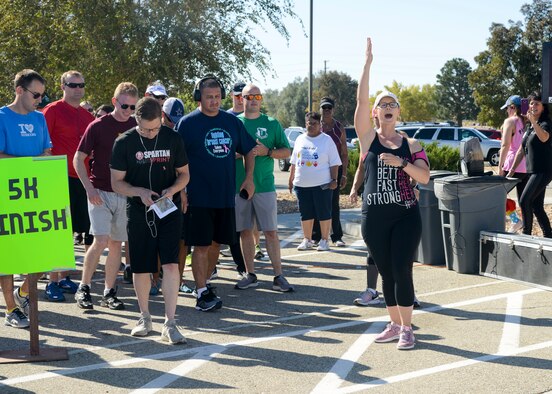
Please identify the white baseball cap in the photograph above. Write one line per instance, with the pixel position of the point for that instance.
(386, 93)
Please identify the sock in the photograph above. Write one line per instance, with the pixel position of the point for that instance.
(8, 311)
(200, 291)
(106, 291)
(82, 284)
(22, 293)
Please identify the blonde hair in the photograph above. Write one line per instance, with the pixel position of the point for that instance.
(127, 88)
(68, 74)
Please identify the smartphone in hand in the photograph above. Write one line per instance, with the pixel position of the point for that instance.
(524, 106)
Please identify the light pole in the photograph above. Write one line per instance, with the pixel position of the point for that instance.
(310, 58)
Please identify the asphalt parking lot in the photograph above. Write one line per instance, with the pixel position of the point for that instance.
(473, 334)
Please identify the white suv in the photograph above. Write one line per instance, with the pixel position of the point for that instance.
(451, 136)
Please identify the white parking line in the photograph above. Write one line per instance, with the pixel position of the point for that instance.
(512, 329)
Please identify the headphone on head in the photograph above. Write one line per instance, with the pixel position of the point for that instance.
(197, 90)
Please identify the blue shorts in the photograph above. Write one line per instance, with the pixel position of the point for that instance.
(314, 203)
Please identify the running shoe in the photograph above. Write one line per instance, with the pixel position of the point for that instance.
(83, 298)
(171, 334)
(323, 245)
(305, 244)
(53, 292)
(406, 339)
(143, 327)
(208, 301)
(68, 286)
(392, 332)
(16, 319)
(111, 301)
(281, 284)
(22, 302)
(247, 281)
(367, 297)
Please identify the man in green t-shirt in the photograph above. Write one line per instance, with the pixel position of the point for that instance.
(262, 208)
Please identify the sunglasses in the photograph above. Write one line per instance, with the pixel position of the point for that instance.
(327, 107)
(126, 106)
(74, 85)
(160, 97)
(35, 94)
(253, 96)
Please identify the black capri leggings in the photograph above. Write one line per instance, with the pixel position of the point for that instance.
(392, 243)
(532, 201)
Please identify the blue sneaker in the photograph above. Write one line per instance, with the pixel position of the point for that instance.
(68, 286)
(53, 292)
(154, 290)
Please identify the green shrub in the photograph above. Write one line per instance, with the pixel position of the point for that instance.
(442, 157)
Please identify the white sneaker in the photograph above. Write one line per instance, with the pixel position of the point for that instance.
(170, 333)
(305, 245)
(143, 327)
(368, 297)
(323, 245)
(339, 243)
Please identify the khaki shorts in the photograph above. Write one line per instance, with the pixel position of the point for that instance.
(262, 207)
(110, 218)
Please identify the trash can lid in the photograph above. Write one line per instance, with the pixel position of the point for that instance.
(457, 186)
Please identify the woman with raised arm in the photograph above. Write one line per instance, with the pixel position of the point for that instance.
(391, 223)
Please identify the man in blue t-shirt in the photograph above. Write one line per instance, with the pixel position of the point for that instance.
(212, 137)
(23, 132)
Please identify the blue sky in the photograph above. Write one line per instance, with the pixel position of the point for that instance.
(412, 39)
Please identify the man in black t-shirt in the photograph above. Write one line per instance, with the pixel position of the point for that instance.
(149, 163)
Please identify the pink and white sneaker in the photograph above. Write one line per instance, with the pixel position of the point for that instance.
(391, 332)
(406, 339)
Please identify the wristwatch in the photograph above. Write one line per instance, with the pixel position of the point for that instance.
(404, 163)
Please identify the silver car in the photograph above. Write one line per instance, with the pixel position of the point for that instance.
(451, 136)
(291, 133)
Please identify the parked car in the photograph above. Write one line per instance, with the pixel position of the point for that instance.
(451, 136)
(409, 130)
(491, 133)
(291, 133)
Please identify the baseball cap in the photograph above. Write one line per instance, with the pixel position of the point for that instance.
(385, 93)
(327, 101)
(157, 89)
(174, 108)
(238, 87)
(515, 99)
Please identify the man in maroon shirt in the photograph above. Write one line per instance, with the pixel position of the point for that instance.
(107, 209)
(67, 121)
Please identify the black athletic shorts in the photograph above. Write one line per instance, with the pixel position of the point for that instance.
(205, 225)
(152, 238)
(79, 206)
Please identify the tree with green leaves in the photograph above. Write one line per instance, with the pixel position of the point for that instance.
(512, 62)
(454, 94)
(418, 104)
(109, 41)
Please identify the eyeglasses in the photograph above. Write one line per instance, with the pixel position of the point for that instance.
(74, 85)
(160, 97)
(35, 94)
(154, 130)
(126, 106)
(257, 97)
(327, 107)
(388, 105)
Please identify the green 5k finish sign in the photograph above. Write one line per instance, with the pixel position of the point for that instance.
(35, 220)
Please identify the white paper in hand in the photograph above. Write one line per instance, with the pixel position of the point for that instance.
(163, 207)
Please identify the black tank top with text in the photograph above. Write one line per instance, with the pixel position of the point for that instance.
(385, 187)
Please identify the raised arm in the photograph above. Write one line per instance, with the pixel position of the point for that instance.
(363, 126)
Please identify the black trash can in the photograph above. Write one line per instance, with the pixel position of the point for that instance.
(469, 205)
(431, 250)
